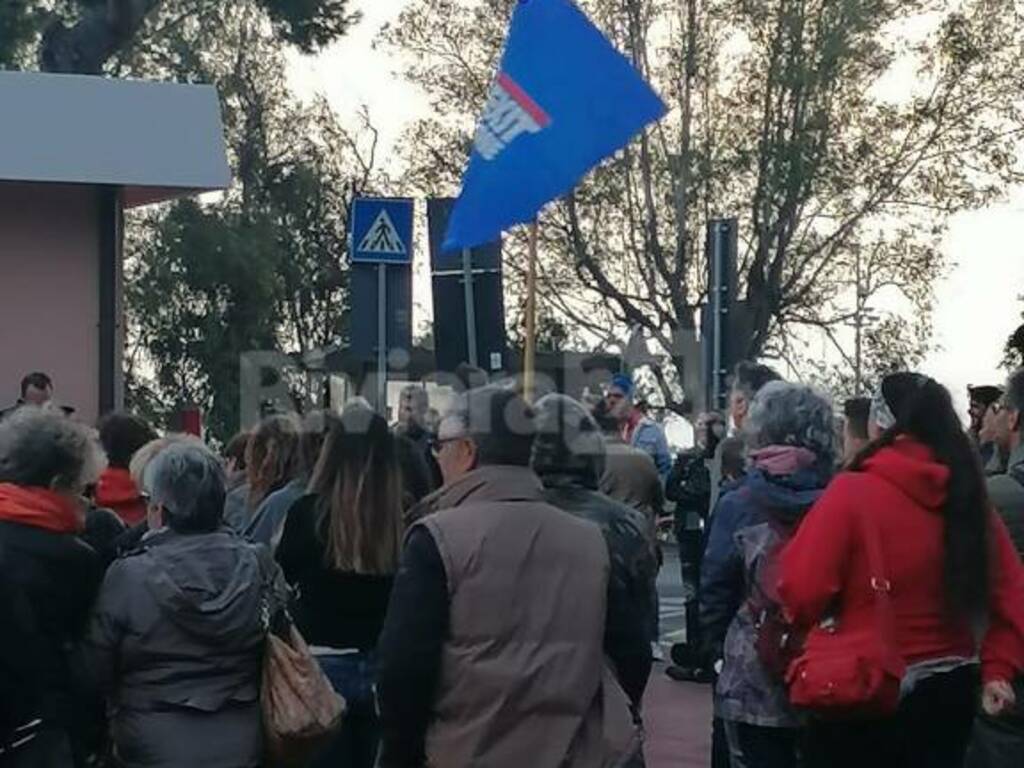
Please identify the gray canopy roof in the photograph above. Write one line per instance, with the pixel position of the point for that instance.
(156, 140)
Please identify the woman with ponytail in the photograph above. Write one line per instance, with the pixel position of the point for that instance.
(952, 590)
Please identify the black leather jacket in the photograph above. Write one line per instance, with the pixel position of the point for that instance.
(633, 571)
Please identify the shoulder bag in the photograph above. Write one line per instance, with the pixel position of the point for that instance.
(301, 710)
(854, 674)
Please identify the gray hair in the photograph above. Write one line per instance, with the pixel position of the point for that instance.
(143, 458)
(498, 420)
(187, 481)
(41, 447)
(792, 414)
(1014, 397)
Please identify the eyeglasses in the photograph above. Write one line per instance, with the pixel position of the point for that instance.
(438, 444)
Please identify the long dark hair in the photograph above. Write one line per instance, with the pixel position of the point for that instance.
(924, 411)
(359, 483)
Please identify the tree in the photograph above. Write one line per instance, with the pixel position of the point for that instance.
(20, 21)
(85, 36)
(552, 333)
(199, 293)
(262, 268)
(1014, 353)
(780, 115)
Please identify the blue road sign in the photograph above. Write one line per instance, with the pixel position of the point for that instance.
(363, 343)
(382, 230)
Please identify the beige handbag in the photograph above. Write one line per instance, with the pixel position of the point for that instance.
(301, 710)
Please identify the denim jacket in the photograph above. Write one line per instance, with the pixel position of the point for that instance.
(650, 438)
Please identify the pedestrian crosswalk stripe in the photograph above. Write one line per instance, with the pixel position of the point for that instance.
(383, 237)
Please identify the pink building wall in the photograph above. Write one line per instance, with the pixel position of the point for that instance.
(49, 291)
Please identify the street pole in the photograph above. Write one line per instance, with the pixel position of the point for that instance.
(530, 347)
(467, 281)
(382, 339)
(858, 326)
(717, 304)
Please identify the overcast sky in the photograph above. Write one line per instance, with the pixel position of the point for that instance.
(976, 305)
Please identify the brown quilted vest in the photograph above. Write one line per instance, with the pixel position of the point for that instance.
(524, 681)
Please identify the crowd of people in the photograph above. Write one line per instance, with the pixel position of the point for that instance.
(480, 589)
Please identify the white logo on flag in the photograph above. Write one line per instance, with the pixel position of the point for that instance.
(510, 112)
(383, 237)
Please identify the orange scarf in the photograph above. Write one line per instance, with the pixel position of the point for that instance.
(39, 508)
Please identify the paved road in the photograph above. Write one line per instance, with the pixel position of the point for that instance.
(677, 719)
(677, 716)
(671, 598)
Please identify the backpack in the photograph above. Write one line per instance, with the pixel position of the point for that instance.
(777, 641)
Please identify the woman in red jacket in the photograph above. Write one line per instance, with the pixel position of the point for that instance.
(121, 435)
(957, 585)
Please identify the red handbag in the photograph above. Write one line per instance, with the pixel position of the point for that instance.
(853, 674)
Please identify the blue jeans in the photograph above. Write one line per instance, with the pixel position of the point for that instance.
(354, 676)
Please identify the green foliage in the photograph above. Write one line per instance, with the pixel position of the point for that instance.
(552, 333)
(86, 36)
(201, 292)
(19, 26)
(310, 24)
(262, 268)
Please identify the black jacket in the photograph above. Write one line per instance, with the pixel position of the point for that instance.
(689, 484)
(336, 609)
(423, 442)
(634, 570)
(104, 532)
(49, 583)
(19, 692)
(420, 477)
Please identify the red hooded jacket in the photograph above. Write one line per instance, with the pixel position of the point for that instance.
(901, 489)
(116, 491)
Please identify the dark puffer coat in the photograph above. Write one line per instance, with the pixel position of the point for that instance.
(49, 583)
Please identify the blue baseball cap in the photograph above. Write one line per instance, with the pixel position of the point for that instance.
(624, 383)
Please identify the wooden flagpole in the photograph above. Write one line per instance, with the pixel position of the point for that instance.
(530, 349)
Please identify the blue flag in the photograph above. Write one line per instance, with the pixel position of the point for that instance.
(563, 100)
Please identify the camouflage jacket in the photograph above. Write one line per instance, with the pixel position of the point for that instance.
(749, 525)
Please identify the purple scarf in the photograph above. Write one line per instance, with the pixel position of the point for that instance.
(781, 460)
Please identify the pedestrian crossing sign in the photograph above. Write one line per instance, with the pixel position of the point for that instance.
(382, 230)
